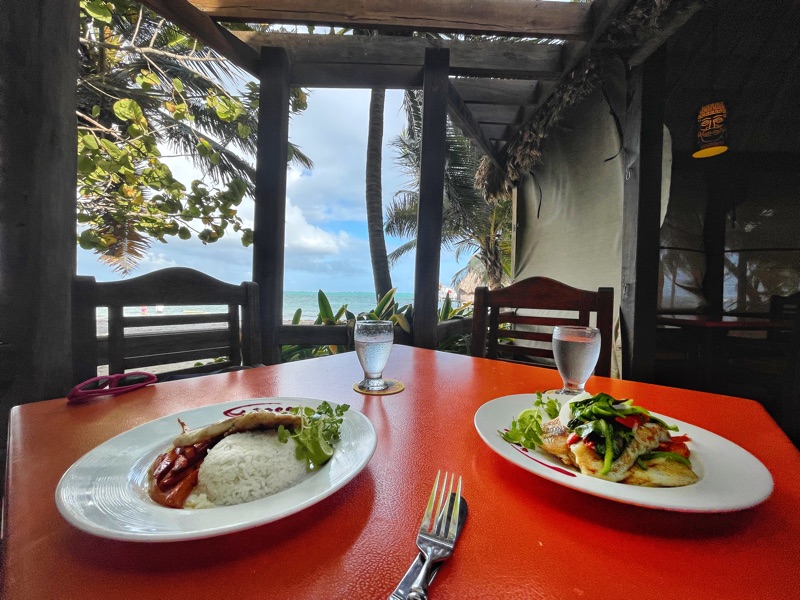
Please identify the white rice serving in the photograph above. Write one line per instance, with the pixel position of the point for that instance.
(246, 466)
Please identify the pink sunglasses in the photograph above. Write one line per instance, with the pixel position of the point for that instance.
(110, 385)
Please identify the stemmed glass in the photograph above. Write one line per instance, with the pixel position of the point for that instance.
(373, 345)
(576, 350)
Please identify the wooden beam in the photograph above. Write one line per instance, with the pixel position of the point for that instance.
(663, 33)
(495, 113)
(532, 18)
(477, 58)
(326, 75)
(496, 91)
(205, 30)
(431, 197)
(603, 13)
(641, 214)
(463, 119)
(496, 132)
(270, 201)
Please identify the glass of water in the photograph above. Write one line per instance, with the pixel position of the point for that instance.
(576, 350)
(373, 345)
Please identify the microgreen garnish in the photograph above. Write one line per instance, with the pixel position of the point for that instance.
(526, 429)
(317, 434)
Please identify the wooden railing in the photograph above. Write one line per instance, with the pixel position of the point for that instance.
(319, 335)
(301, 335)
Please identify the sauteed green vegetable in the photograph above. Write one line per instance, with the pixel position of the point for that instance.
(604, 423)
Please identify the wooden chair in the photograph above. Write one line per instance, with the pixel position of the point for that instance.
(770, 368)
(539, 293)
(189, 337)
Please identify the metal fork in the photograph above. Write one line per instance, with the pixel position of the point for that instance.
(436, 539)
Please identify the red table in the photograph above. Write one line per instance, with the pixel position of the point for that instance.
(525, 537)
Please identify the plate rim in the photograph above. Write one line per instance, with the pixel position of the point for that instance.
(366, 440)
(711, 450)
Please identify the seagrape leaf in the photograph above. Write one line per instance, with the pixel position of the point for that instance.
(128, 109)
(97, 10)
(86, 165)
(90, 141)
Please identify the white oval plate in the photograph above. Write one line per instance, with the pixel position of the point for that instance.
(730, 477)
(105, 492)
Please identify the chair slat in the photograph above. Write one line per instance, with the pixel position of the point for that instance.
(492, 309)
(177, 338)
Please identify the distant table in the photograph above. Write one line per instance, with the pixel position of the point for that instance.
(525, 537)
(710, 332)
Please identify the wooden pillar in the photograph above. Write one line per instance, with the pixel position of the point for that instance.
(38, 174)
(722, 191)
(641, 212)
(270, 209)
(431, 196)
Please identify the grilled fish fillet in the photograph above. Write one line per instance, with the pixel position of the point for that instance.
(645, 438)
(660, 472)
(246, 422)
(554, 441)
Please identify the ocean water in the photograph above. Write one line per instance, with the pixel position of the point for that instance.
(306, 301)
(356, 302)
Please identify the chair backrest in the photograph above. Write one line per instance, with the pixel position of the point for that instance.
(783, 308)
(496, 307)
(143, 341)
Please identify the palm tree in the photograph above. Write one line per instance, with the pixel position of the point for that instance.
(470, 224)
(374, 196)
(145, 87)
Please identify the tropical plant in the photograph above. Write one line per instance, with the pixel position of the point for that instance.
(458, 343)
(470, 224)
(387, 309)
(145, 87)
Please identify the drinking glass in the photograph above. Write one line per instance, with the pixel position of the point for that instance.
(373, 345)
(576, 350)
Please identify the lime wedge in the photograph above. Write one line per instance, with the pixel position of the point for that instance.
(528, 413)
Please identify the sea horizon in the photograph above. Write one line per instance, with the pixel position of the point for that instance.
(307, 302)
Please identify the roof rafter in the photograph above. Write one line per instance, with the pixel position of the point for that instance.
(469, 58)
(534, 18)
(204, 29)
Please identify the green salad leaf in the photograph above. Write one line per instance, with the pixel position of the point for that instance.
(318, 433)
(526, 429)
(602, 421)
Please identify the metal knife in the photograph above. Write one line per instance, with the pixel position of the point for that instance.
(402, 589)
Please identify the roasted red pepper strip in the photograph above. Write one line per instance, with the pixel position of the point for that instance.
(628, 421)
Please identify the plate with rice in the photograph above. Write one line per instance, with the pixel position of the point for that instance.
(105, 492)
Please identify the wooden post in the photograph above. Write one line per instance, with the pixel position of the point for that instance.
(431, 196)
(270, 209)
(641, 210)
(38, 174)
(721, 183)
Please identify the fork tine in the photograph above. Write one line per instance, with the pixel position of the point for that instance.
(454, 511)
(444, 502)
(427, 518)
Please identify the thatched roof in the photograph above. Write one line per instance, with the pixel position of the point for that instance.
(641, 26)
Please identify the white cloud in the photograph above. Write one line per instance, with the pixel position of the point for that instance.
(303, 237)
(326, 237)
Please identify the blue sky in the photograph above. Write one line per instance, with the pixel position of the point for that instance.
(326, 230)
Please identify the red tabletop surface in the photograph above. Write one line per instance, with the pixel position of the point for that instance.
(525, 537)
